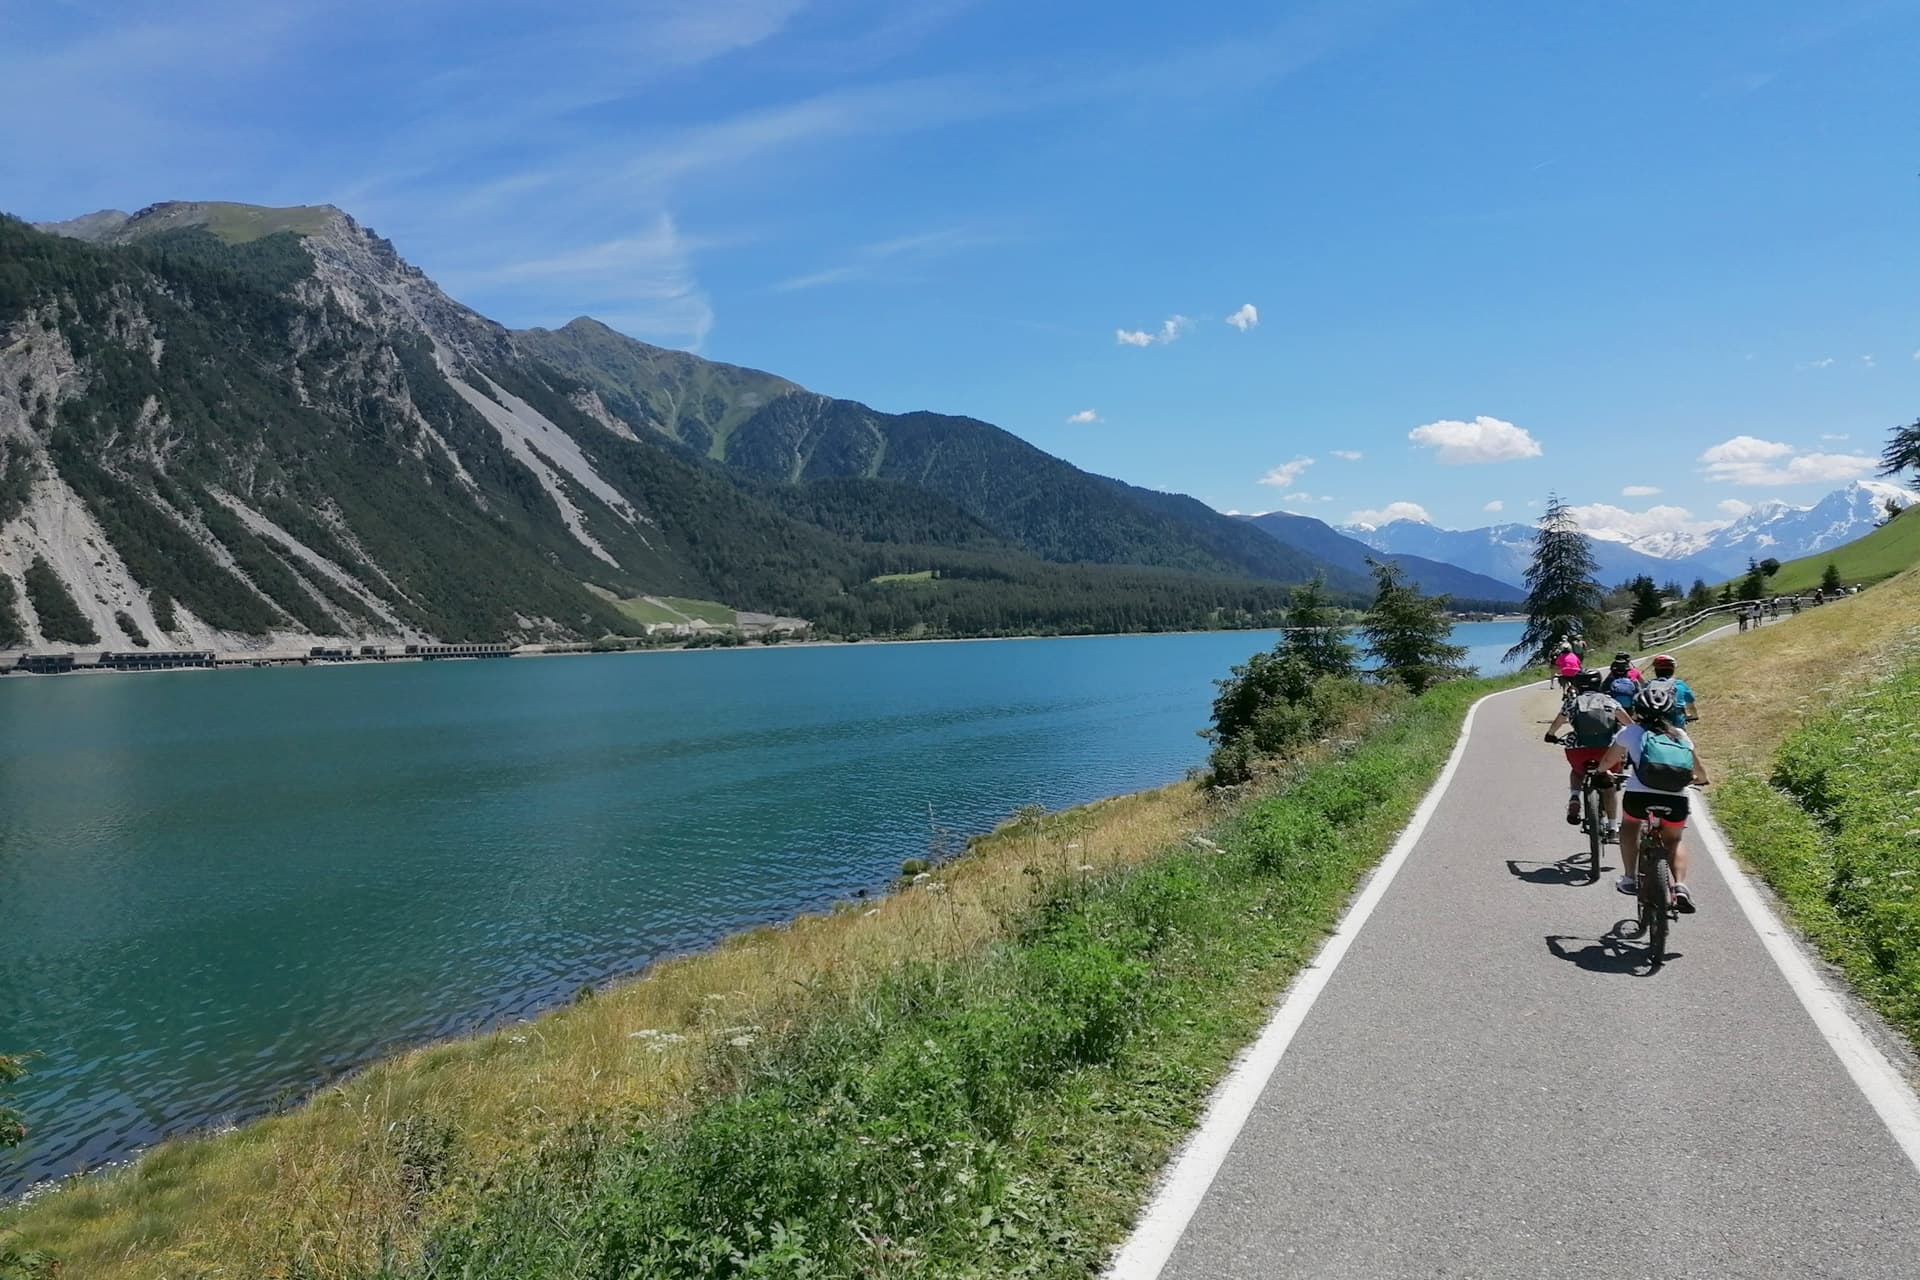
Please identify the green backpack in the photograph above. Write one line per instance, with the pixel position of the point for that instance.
(1665, 762)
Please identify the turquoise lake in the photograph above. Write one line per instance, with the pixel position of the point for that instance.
(220, 888)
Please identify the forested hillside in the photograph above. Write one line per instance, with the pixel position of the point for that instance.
(227, 426)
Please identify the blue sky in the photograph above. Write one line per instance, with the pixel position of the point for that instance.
(1493, 248)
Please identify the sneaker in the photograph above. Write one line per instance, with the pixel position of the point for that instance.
(1573, 811)
(1682, 900)
(1627, 884)
(1610, 832)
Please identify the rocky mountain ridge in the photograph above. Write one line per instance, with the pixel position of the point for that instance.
(225, 426)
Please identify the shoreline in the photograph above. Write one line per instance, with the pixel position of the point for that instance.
(242, 659)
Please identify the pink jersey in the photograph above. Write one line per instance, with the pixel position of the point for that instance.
(1569, 664)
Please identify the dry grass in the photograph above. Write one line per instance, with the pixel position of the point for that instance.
(1757, 688)
(359, 1174)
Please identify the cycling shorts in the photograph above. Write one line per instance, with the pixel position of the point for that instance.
(1635, 804)
(1578, 758)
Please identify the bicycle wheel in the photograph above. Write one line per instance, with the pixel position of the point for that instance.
(1590, 806)
(1658, 889)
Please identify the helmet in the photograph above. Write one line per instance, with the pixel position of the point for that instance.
(1589, 680)
(1621, 663)
(1663, 663)
(1655, 702)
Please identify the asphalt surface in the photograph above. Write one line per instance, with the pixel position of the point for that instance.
(1488, 1087)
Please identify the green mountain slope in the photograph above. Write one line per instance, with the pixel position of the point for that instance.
(223, 426)
(1890, 549)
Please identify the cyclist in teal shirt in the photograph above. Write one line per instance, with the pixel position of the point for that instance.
(1685, 708)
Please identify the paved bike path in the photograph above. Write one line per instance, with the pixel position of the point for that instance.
(1486, 1088)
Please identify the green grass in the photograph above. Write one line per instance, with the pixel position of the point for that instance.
(998, 1113)
(1879, 555)
(238, 223)
(1835, 828)
(649, 610)
(925, 575)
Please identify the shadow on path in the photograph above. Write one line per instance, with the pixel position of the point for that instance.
(1570, 870)
(1609, 953)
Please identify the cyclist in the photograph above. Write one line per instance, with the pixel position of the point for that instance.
(1653, 730)
(1566, 665)
(1594, 718)
(1686, 708)
(1623, 679)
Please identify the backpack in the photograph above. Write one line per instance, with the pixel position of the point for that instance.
(1593, 719)
(1665, 763)
(1623, 688)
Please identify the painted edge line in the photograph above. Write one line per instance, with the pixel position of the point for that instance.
(1157, 1232)
(1885, 1088)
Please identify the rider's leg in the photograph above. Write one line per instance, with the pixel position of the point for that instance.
(1629, 848)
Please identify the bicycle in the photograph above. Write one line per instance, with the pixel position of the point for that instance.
(1654, 876)
(1592, 812)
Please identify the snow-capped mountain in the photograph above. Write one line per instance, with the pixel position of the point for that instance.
(1787, 532)
(1713, 552)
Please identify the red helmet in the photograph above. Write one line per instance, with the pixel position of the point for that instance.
(1663, 660)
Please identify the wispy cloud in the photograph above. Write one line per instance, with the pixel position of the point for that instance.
(890, 259)
(1495, 505)
(1824, 362)
(1286, 473)
(1638, 491)
(1084, 416)
(1247, 317)
(1348, 455)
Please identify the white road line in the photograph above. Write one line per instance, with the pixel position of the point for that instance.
(1885, 1087)
(1187, 1179)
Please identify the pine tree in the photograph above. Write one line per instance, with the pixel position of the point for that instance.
(1564, 600)
(1754, 585)
(1647, 603)
(1902, 452)
(1408, 633)
(1830, 577)
(1314, 638)
(1700, 597)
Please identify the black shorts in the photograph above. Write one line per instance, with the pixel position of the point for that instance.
(1634, 804)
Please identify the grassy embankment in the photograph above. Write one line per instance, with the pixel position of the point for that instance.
(1813, 725)
(649, 610)
(976, 1076)
(1892, 548)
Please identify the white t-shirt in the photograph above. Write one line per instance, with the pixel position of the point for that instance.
(1630, 737)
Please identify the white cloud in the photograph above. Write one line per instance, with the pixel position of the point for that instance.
(1638, 524)
(1286, 473)
(1482, 440)
(1638, 491)
(1867, 361)
(1733, 508)
(1916, 355)
(1840, 436)
(1495, 505)
(1170, 330)
(1347, 455)
(1327, 497)
(1747, 460)
(1085, 415)
(1391, 512)
(1245, 318)
(1824, 362)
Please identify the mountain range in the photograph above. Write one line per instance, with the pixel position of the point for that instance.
(229, 426)
(1777, 529)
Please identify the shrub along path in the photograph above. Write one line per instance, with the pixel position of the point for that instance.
(1488, 1087)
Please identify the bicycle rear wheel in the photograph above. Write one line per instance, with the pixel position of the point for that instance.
(1657, 891)
(1590, 806)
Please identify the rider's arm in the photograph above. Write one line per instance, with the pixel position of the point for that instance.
(1559, 723)
(1700, 778)
(1617, 753)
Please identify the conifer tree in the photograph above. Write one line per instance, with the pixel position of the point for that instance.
(1902, 452)
(1407, 632)
(1314, 638)
(1564, 600)
(1700, 597)
(1647, 603)
(1830, 577)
